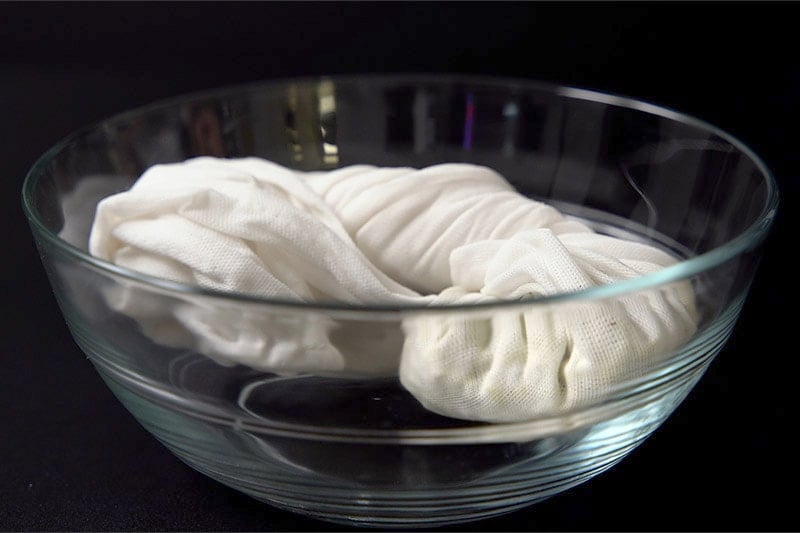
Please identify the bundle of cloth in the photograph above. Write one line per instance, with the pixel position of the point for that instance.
(449, 234)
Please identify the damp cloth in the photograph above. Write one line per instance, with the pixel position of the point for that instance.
(442, 235)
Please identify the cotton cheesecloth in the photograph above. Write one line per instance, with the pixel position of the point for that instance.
(446, 234)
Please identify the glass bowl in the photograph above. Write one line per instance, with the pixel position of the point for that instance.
(361, 449)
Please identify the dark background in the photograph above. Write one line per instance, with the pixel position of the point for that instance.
(71, 458)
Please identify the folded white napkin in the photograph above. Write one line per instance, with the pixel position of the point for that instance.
(452, 233)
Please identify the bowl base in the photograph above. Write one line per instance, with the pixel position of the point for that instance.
(421, 495)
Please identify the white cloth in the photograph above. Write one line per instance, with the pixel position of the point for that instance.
(246, 226)
(463, 232)
(514, 365)
(453, 233)
(409, 221)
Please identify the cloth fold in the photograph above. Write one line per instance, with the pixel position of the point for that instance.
(451, 233)
(245, 226)
(515, 365)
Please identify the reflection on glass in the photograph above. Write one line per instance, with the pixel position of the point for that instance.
(511, 115)
(205, 131)
(311, 124)
(424, 125)
(292, 110)
(469, 119)
(327, 119)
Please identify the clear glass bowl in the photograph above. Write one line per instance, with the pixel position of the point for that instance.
(362, 450)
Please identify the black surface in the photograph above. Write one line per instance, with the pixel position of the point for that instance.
(71, 458)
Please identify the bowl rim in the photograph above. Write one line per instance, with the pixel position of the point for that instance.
(748, 239)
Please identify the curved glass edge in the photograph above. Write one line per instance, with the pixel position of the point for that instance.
(749, 239)
(626, 399)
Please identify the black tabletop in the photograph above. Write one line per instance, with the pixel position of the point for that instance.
(72, 458)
